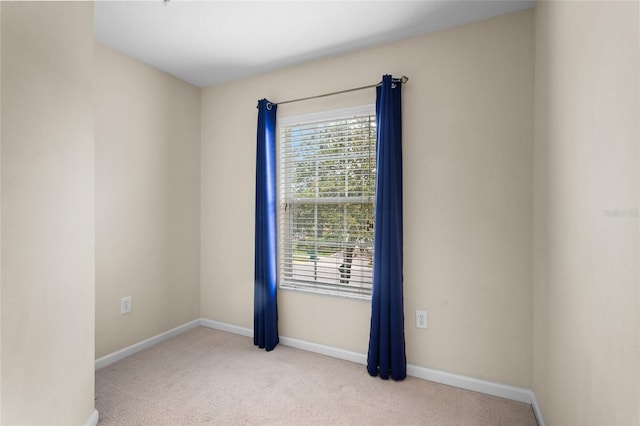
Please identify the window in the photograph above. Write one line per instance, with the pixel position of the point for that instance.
(327, 202)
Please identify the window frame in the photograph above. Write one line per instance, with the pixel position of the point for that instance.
(301, 119)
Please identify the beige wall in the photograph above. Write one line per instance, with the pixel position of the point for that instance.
(586, 292)
(0, 214)
(468, 167)
(174, 196)
(47, 213)
(147, 200)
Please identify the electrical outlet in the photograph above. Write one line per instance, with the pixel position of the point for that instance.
(125, 305)
(421, 319)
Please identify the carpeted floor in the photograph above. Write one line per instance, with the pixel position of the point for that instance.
(206, 376)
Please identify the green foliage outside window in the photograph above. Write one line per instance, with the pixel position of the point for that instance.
(331, 187)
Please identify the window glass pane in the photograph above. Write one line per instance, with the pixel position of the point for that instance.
(327, 173)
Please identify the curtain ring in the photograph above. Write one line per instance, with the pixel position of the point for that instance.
(269, 106)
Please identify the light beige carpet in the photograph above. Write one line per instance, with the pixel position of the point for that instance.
(206, 376)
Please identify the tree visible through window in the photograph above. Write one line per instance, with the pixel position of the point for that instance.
(327, 175)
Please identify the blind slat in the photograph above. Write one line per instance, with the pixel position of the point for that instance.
(327, 194)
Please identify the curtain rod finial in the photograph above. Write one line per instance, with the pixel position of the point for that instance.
(404, 79)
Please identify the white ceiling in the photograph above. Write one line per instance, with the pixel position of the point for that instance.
(209, 42)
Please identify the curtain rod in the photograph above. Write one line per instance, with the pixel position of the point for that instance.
(402, 80)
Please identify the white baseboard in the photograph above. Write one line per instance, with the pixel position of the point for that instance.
(536, 409)
(470, 383)
(490, 388)
(235, 329)
(291, 342)
(147, 343)
(93, 418)
(476, 385)
(356, 357)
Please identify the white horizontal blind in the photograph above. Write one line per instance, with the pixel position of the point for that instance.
(327, 191)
